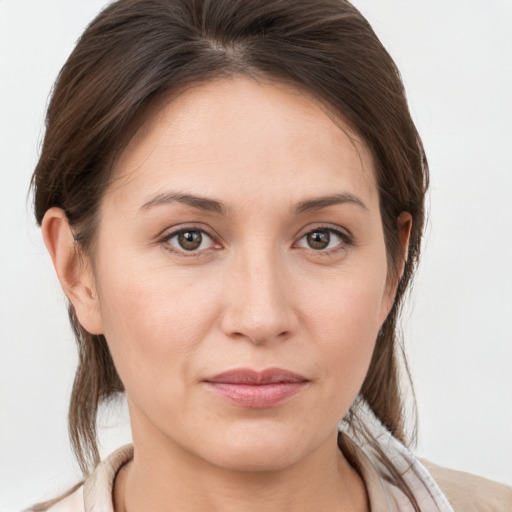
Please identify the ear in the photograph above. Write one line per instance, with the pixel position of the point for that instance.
(404, 225)
(74, 271)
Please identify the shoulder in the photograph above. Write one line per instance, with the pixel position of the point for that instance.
(96, 492)
(470, 493)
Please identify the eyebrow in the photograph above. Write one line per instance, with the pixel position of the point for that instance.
(200, 203)
(214, 206)
(323, 202)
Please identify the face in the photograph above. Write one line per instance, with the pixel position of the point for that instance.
(240, 274)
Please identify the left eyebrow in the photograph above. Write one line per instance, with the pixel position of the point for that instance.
(323, 202)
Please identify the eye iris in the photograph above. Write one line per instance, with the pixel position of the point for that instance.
(190, 240)
(318, 239)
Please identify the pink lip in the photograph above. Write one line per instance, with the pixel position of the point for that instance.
(256, 390)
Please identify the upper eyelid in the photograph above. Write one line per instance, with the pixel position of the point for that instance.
(329, 227)
(337, 232)
(168, 233)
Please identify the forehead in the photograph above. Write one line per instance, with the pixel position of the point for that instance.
(241, 133)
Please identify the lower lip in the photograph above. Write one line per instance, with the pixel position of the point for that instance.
(261, 396)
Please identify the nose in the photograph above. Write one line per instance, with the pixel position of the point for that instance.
(258, 300)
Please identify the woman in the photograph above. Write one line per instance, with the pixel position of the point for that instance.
(232, 196)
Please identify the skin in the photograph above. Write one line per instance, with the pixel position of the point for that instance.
(255, 294)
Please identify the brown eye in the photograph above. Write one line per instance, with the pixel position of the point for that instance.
(324, 239)
(190, 240)
(318, 239)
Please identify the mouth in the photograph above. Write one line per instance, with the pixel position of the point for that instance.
(256, 389)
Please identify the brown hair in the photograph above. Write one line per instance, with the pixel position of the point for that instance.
(138, 50)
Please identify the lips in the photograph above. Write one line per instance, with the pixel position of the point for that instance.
(256, 390)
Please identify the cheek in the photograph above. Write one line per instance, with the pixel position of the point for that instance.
(344, 318)
(153, 321)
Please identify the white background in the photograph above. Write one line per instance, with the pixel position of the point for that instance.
(456, 60)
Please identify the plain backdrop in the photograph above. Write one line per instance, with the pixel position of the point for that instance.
(456, 61)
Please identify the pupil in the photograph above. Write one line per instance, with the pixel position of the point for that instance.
(319, 239)
(190, 240)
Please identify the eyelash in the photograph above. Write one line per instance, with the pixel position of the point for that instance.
(345, 239)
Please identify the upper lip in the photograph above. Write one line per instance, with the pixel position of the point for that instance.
(255, 378)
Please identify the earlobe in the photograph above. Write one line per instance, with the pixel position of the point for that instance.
(74, 272)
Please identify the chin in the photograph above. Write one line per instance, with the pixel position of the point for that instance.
(257, 450)
(257, 460)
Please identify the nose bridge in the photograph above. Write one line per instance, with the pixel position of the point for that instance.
(259, 300)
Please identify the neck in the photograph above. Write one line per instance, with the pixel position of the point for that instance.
(163, 478)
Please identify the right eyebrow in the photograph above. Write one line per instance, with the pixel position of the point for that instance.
(200, 203)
